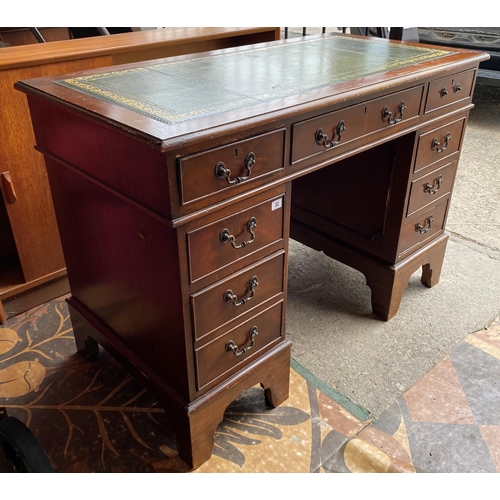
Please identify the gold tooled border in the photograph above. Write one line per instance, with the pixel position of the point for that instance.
(85, 85)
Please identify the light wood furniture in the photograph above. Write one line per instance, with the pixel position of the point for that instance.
(30, 230)
(177, 184)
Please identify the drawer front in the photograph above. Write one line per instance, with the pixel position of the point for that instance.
(245, 342)
(449, 90)
(227, 240)
(220, 169)
(431, 187)
(423, 227)
(232, 297)
(439, 143)
(316, 135)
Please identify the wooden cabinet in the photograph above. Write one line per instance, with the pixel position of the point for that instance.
(30, 252)
(176, 208)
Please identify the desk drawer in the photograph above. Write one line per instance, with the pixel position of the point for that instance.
(449, 90)
(423, 227)
(232, 349)
(232, 297)
(220, 169)
(211, 247)
(431, 187)
(354, 122)
(439, 143)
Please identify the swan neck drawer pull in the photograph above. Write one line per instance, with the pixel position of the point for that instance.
(232, 347)
(437, 145)
(226, 236)
(229, 296)
(388, 114)
(322, 138)
(429, 188)
(423, 229)
(222, 172)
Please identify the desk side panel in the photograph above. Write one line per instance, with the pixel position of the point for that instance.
(123, 266)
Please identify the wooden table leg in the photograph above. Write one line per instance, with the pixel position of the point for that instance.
(387, 284)
(195, 428)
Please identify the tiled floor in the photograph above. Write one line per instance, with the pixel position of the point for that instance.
(94, 417)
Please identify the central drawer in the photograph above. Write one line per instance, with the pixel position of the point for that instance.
(353, 123)
(231, 298)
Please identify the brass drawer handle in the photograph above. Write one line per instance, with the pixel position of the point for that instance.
(428, 188)
(230, 297)
(423, 229)
(232, 347)
(437, 145)
(443, 92)
(226, 236)
(387, 114)
(322, 138)
(457, 88)
(222, 172)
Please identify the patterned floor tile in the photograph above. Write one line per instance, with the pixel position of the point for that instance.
(439, 397)
(491, 436)
(95, 417)
(479, 375)
(447, 448)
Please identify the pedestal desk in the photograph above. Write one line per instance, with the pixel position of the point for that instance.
(177, 184)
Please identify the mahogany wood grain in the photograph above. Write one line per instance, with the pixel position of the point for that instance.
(431, 187)
(359, 121)
(434, 145)
(212, 310)
(449, 90)
(207, 253)
(214, 360)
(126, 272)
(197, 181)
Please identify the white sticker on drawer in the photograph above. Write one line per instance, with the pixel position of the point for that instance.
(276, 204)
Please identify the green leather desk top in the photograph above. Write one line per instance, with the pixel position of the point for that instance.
(187, 88)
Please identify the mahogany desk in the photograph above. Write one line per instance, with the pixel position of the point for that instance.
(177, 184)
